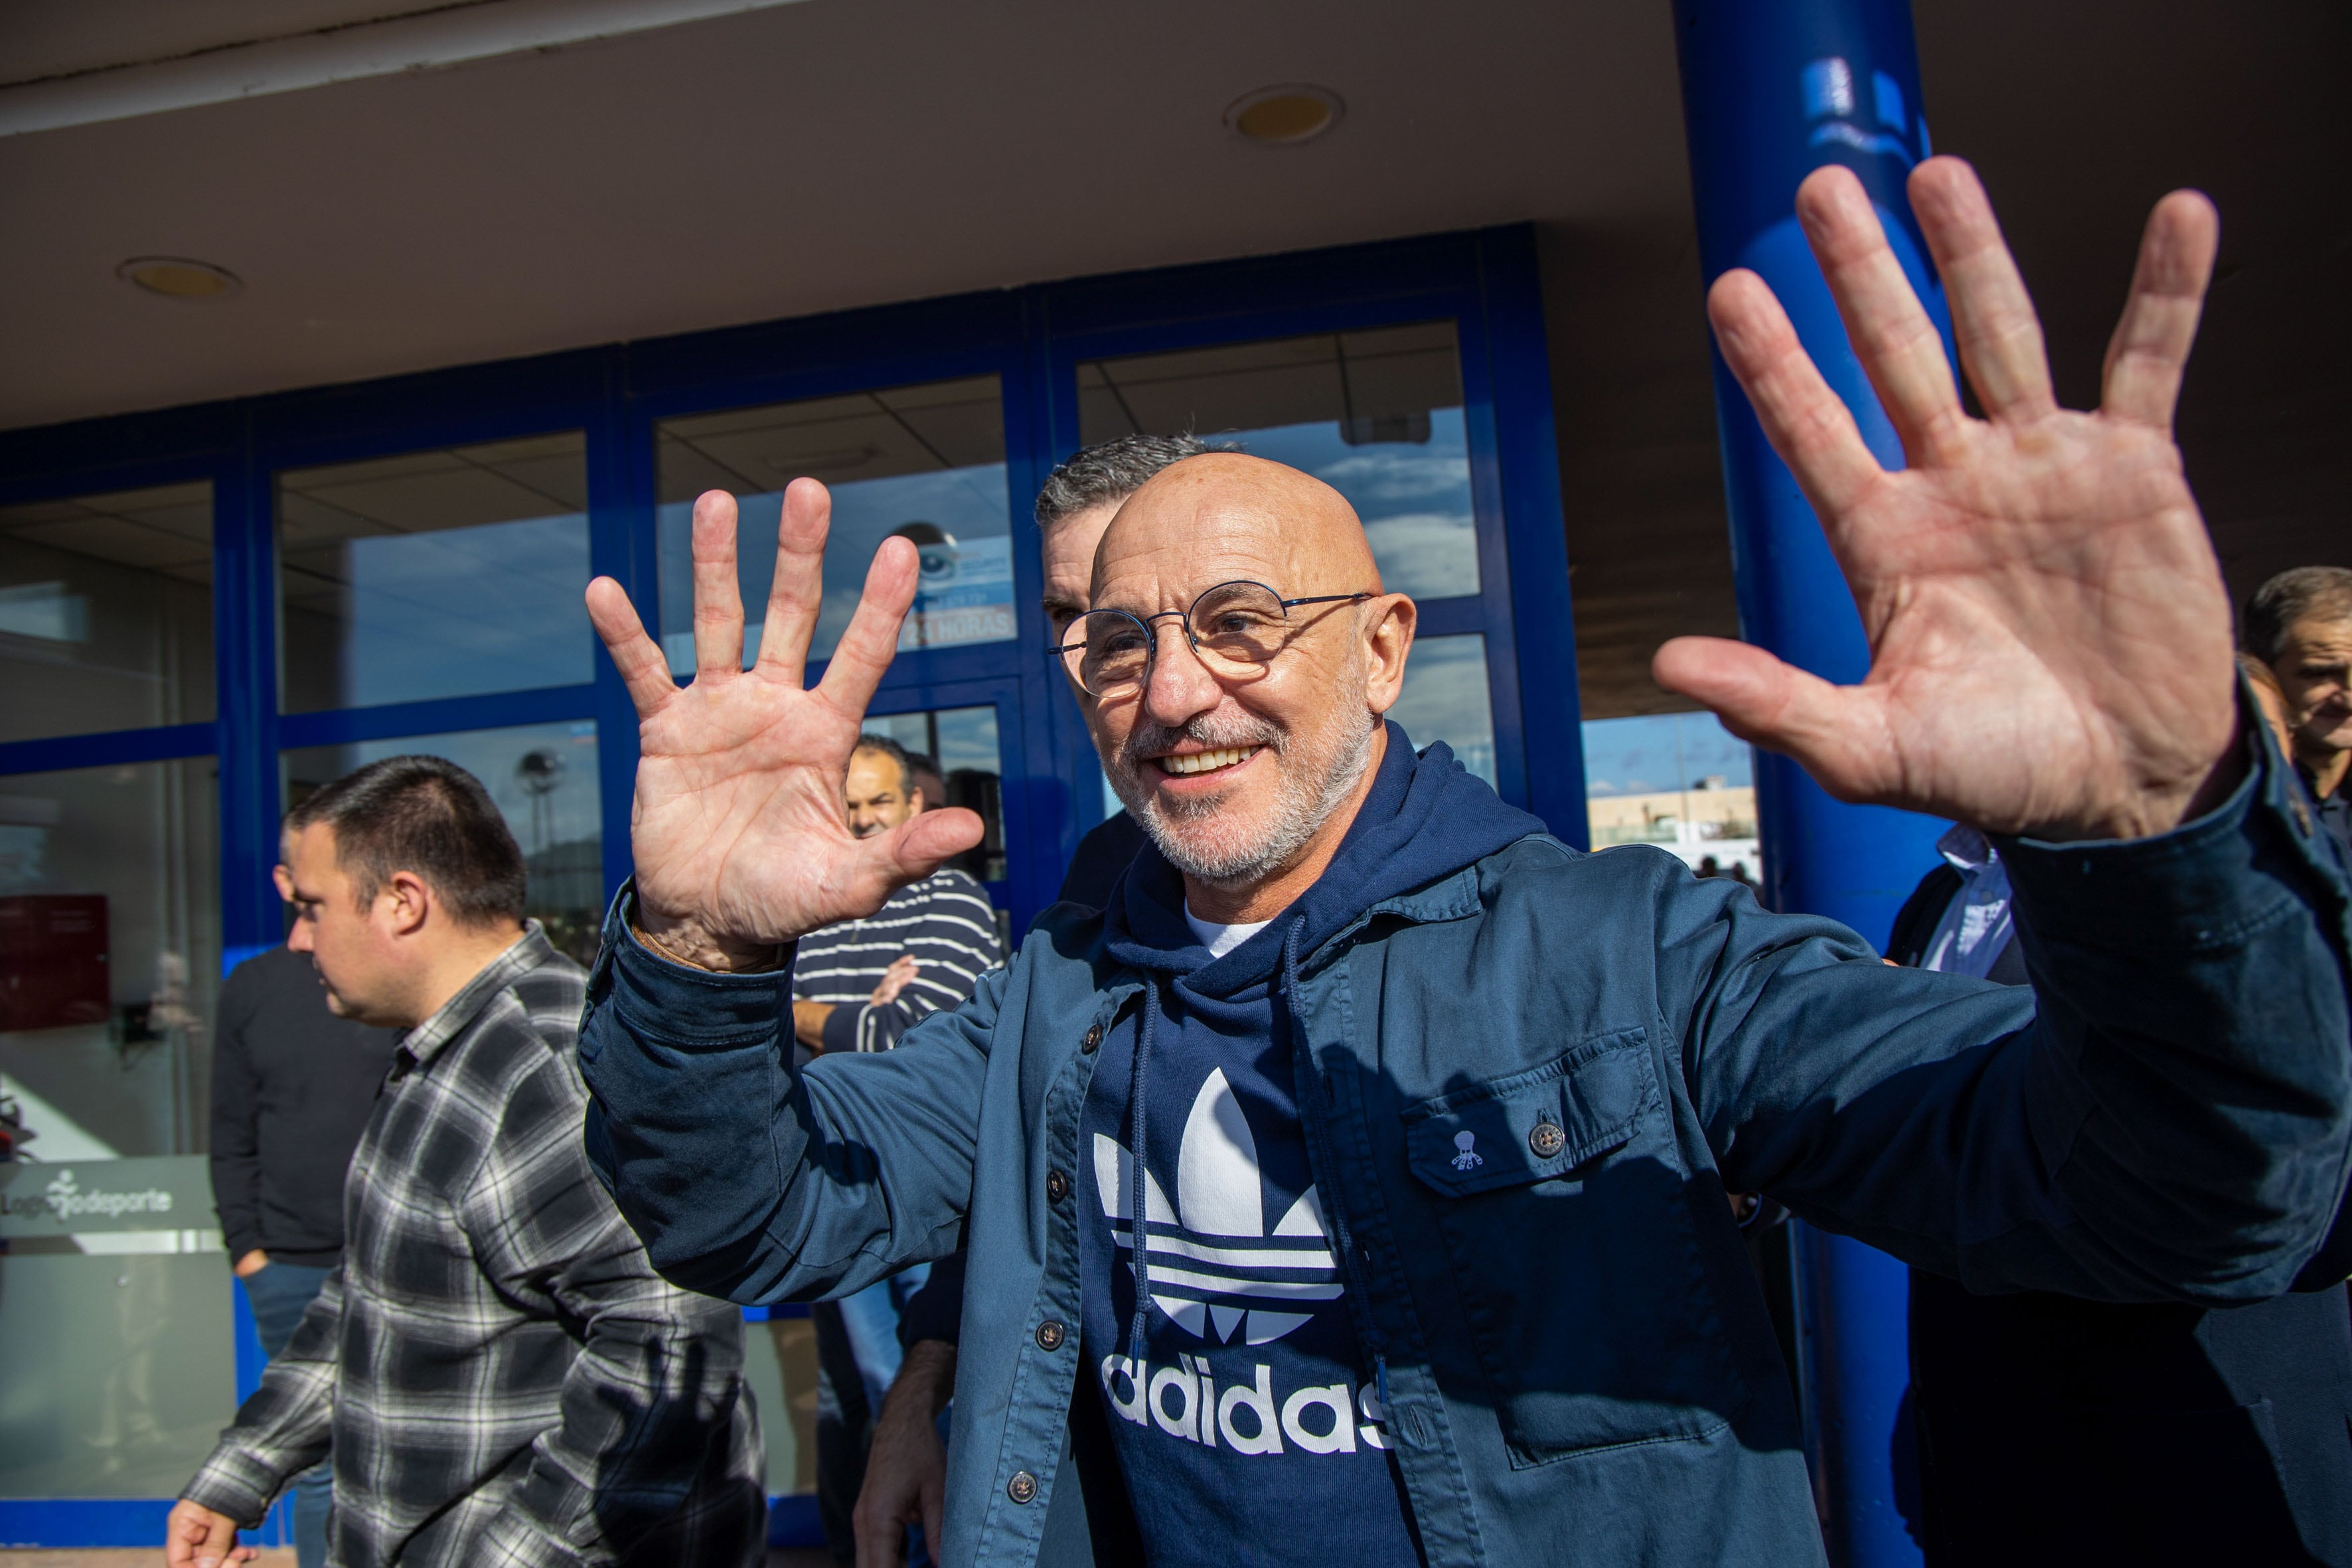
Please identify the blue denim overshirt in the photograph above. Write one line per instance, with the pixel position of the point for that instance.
(1578, 1362)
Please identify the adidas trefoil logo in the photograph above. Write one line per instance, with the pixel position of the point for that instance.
(1215, 1268)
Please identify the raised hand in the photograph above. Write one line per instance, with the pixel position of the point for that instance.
(740, 837)
(2049, 636)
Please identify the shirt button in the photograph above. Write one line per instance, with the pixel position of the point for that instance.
(1057, 1186)
(1022, 1487)
(1547, 1140)
(1049, 1335)
(1093, 1039)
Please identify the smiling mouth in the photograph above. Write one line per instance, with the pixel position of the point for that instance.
(1207, 761)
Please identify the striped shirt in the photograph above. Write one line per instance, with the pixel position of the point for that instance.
(505, 1378)
(944, 922)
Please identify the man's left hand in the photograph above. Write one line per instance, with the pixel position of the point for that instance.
(197, 1536)
(2050, 638)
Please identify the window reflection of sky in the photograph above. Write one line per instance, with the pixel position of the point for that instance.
(1655, 751)
(1445, 699)
(968, 502)
(570, 806)
(1413, 497)
(466, 610)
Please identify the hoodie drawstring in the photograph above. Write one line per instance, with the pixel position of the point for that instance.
(1136, 1232)
(1335, 1207)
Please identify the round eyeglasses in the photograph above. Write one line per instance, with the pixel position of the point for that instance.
(1236, 628)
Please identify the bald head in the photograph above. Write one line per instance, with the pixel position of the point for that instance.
(1267, 521)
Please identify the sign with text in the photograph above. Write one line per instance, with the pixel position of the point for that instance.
(80, 1196)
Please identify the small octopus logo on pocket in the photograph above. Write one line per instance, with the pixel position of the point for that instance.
(1467, 1159)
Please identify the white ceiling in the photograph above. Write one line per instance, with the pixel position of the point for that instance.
(772, 164)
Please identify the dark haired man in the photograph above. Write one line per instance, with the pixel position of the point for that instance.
(293, 1086)
(500, 1372)
(2300, 623)
(858, 986)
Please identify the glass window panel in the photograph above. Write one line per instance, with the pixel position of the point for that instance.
(961, 743)
(106, 612)
(1680, 781)
(543, 778)
(117, 1367)
(440, 574)
(926, 462)
(1375, 415)
(109, 956)
(1445, 699)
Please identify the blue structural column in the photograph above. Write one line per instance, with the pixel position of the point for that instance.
(1771, 90)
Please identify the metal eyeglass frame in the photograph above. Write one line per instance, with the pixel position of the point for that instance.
(1152, 633)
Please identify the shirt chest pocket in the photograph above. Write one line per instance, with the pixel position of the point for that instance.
(1566, 1220)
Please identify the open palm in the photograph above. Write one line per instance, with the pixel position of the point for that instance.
(2049, 636)
(740, 837)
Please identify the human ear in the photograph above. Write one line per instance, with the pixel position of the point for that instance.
(1389, 625)
(407, 901)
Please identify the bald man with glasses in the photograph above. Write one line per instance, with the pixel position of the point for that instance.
(1351, 1188)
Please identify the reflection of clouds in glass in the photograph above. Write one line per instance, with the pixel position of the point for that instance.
(1429, 555)
(1445, 699)
(1398, 473)
(967, 503)
(464, 610)
(1654, 752)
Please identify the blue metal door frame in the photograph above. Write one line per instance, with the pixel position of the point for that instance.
(1031, 338)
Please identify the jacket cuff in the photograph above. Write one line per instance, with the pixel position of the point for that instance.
(686, 1009)
(235, 1484)
(2205, 885)
(841, 1027)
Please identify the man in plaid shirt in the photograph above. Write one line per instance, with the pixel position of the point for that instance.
(503, 1376)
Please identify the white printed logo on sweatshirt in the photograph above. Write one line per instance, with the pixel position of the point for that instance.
(1216, 1269)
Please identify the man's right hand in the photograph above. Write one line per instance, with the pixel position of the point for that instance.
(251, 1264)
(906, 1468)
(741, 838)
(197, 1536)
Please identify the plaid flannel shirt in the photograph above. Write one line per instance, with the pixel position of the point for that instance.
(504, 1377)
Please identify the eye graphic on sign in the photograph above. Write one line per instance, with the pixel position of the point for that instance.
(935, 547)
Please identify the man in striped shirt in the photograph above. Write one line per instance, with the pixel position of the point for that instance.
(858, 986)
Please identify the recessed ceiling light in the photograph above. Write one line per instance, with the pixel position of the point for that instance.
(178, 278)
(1287, 115)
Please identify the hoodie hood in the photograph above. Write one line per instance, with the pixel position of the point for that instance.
(1426, 818)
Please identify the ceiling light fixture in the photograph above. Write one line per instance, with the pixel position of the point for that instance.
(178, 278)
(1287, 115)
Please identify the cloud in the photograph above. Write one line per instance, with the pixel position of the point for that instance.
(1429, 555)
(1393, 474)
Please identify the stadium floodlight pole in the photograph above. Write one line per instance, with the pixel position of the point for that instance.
(1771, 90)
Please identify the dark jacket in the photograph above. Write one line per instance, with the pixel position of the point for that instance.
(936, 1312)
(292, 1087)
(2058, 1432)
(1574, 1348)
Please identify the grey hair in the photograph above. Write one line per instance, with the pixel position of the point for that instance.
(2299, 594)
(1112, 472)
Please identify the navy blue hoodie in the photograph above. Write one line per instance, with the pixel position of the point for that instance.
(1245, 1408)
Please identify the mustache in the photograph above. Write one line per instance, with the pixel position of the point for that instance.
(1149, 738)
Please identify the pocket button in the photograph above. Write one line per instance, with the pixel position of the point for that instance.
(1546, 1141)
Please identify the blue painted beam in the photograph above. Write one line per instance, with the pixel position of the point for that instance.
(1769, 94)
